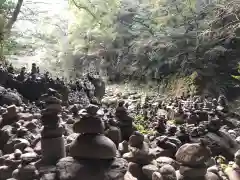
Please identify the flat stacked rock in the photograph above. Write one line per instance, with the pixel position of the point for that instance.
(50, 119)
(52, 132)
(91, 142)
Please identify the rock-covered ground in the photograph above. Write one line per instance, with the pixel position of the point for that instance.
(70, 131)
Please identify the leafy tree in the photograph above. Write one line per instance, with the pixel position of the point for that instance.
(161, 38)
(9, 11)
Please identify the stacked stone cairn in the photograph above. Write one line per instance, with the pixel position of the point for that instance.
(192, 159)
(113, 132)
(91, 142)
(92, 154)
(125, 122)
(52, 140)
(165, 147)
(160, 126)
(138, 157)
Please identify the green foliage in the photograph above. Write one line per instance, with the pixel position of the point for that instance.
(236, 76)
(5, 9)
(172, 122)
(97, 25)
(142, 125)
(11, 46)
(159, 38)
(139, 119)
(6, 5)
(8, 45)
(221, 162)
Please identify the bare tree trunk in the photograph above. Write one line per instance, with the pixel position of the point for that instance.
(14, 16)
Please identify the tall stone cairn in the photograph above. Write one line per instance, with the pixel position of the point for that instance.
(52, 140)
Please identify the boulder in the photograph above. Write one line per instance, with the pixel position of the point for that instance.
(5, 172)
(10, 98)
(70, 169)
(90, 146)
(224, 144)
(168, 172)
(193, 154)
(161, 161)
(148, 170)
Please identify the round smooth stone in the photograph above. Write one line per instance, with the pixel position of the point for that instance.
(92, 109)
(193, 154)
(136, 140)
(90, 146)
(89, 124)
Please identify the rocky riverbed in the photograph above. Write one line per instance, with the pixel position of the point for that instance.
(57, 130)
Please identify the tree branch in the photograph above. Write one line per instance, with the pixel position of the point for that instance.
(14, 16)
(143, 24)
(84, 8)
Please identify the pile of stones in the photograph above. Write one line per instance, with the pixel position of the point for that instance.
(91, 142)
(98, 139)
(185, 138)
(92, 155)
